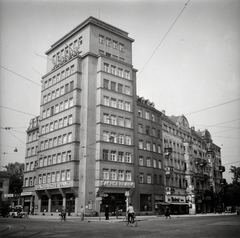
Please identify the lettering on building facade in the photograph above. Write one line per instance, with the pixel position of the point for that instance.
(65, 184)
(117, 184)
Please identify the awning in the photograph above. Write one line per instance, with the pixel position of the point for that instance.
(178, 203)
(161, 203)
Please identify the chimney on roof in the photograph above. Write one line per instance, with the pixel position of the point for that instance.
(163, 112)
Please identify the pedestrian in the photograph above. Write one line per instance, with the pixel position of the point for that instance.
(117, 212)
(82, 213)
(107, 212)
(167, 213)
(63, 213)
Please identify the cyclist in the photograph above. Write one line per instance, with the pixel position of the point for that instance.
(130, 212)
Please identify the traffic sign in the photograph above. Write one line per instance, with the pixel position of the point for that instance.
(105, 195)
(99, 198)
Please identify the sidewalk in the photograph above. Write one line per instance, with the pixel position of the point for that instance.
(120, 219)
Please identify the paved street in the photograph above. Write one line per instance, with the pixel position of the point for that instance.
(178, 226)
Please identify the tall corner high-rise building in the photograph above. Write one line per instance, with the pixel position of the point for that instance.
(85, 142)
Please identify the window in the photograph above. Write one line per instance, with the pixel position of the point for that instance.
(53, 177)
(120, 72)
(64, 138)
(45, 99)
(58, 176)
(105, 174)
(70, 102)
(106, 136)
(113, 70)
(141, 161)
(153, 117)
(154, 147)
(141, 178)
(127, 90)
(140, 144)
(154, 163)
(63, 74)
(113, 102)
(56, 108)
(127, 74)
(148, 162)
(105, 154)
(149, 179)
(113, 174)
(59, 159)
(61, 107)
(120, 104)
(121, 47)
(127, 122)
(65, 120)
(113, 86)
(66, 104)
(140, 114)
(58, 77)
(115, 44)
(50, 143)
(51, 126)
(59, 140)
(113, 137)
(55, 125)
(54, 159)
(128, 157)
(159, 149)
(68, 174)
(120, 156)
(153, 132)
(69, 154)
(70, 137)
(72, 69)
(70, 120)
(120, 175)
(120, 88)
(63, 176)
(62, 90)
(128, 140)
(121, 139)
(48, 178)
(127, 106)
(140, 128)
(159, 164)
(113, 120)
(57, 92)
(128, 176)
(39, 179)
(120, 121)
(106, 67)
(44, 178)
(106, 83)
(71, 86)
(60, 123)
(147, 115)
(113, 156)
(106, 100)
(44, 114)
(106, 118)
(148, 146)
(101, 39)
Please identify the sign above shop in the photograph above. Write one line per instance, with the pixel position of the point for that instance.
(65, 184)
(117, 184)
(26, 193)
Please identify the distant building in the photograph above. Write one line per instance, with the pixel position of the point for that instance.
(4, 187)
(97, 143)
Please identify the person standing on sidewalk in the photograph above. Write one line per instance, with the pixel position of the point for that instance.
(107, 212)
(82, 213)
(167, 213)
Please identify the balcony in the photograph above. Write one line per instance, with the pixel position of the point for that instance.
(170, 190)
(168, 171)
(167, 151)
(222, 168)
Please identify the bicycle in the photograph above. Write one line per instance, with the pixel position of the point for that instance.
(131, 221)
(62, 217)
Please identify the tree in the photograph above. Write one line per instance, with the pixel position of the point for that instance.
(236, 174)
(15, 171)
(232, 190)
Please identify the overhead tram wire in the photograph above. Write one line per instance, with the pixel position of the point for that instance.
(164, 37)
(213, 106)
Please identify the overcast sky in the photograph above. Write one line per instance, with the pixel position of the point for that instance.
(187, 56)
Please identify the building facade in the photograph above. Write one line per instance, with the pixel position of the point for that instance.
(95, 142)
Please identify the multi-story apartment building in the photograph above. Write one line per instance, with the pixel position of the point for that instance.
(193, 167)
(95, 142)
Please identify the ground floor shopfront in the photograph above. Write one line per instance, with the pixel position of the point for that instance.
(177, 204)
